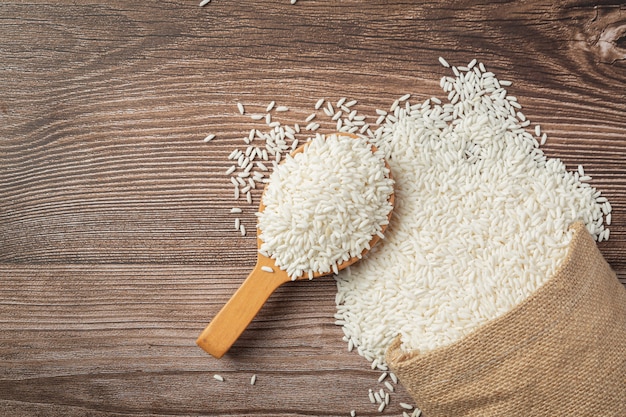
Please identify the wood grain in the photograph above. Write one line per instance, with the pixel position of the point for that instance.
(116, 242)
(120, 339)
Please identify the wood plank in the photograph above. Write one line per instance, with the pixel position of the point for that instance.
(103, 157)
(120, 339)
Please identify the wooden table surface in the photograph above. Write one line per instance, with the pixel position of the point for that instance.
(116, 242)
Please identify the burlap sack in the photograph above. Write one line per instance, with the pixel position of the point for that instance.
(560, 353)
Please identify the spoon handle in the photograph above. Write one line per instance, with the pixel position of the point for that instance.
(243, 306)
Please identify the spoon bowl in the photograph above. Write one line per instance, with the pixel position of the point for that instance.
(265, 278)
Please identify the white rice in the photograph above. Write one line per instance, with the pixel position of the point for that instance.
(324, 205)
(481, 221)
(377, 397)
(371, 397)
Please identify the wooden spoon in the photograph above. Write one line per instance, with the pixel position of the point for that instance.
(243, 306)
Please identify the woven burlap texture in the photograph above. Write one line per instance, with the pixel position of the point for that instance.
(561, 352)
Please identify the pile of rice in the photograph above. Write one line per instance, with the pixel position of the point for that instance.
(324, 205)
(481, 220)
